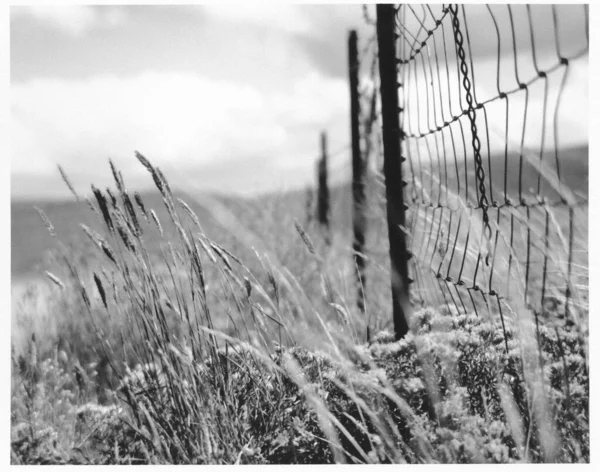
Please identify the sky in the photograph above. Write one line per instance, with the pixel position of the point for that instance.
(222, 97)
(497, 63)
(228, 98)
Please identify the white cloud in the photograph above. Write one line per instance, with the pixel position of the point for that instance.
(289, 18)
(178, 120)
(71, 19)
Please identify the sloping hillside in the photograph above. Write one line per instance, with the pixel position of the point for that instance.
(31, 241)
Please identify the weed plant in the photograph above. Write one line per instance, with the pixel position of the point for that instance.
(248, 350)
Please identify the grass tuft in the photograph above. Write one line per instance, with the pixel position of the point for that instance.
(190, 353)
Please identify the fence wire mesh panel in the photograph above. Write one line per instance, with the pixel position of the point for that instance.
(493, 106)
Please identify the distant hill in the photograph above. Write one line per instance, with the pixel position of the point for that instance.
(31, 241)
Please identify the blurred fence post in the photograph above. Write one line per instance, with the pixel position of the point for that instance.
(309, 206)
(358, 173)
(323, 191)
(392, 165)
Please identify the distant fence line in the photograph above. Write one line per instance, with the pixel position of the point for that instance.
(484, 203)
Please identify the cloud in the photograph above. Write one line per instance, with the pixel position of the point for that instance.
(180, 121)
(288, 18)
(319, 31)
(73, 20)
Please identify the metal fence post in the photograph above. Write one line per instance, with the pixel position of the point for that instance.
(358, 173)
(392, 165)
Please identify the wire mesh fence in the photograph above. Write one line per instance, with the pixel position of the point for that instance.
(492, 108)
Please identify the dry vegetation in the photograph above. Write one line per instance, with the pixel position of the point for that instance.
(248, 349)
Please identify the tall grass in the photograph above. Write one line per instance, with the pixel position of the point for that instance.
(250, 350)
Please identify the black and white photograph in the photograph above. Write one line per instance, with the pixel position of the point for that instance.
(271, 233)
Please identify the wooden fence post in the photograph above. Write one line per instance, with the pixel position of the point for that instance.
(323, 191)
(392, 165)
(359, 199)
(308, 203)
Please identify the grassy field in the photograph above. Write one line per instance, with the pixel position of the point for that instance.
(228, 333)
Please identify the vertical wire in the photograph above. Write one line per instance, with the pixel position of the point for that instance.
(555, 127)
(437, 65)
(506, 113)
(442, 124)
(569, 266)
(411, 131)
(451, 296)
(564, 62)
(528, 259)
(454, 245)
(460, 298)
(514, 41)
(422, 286)
(462, 265)
(504, 97)
(447, 71)
(433, 104)
(460, 100)
(499, 50)
(417, 132)
(543, 138)
(470, 54)
(437, 237)
(416, 270)
(490, 289)
(499, 300)
(462, 134)
(532, 39)
(430, 232)
(470, 291)
(541, 75)
(427, 105)
(415, 38)
(489, 155)
(449, 231)
(522, 147)
(556, 34)
(455, 162)
(545, 263)
(522, 87)
(460, 124)
(430, 160)
(485, 302)
(422, 26)
(510, 255)
(439, 166)
(443, 246)
(475, 284)
(415, 258)
(428, 81)
(424, 224)
(443, 293)
(445, 182)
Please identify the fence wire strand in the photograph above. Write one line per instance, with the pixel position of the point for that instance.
(497, 217)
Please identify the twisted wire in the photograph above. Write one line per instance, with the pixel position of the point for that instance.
(477, 237)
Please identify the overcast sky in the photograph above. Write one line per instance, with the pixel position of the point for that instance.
(228, 98)
(558, 32)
